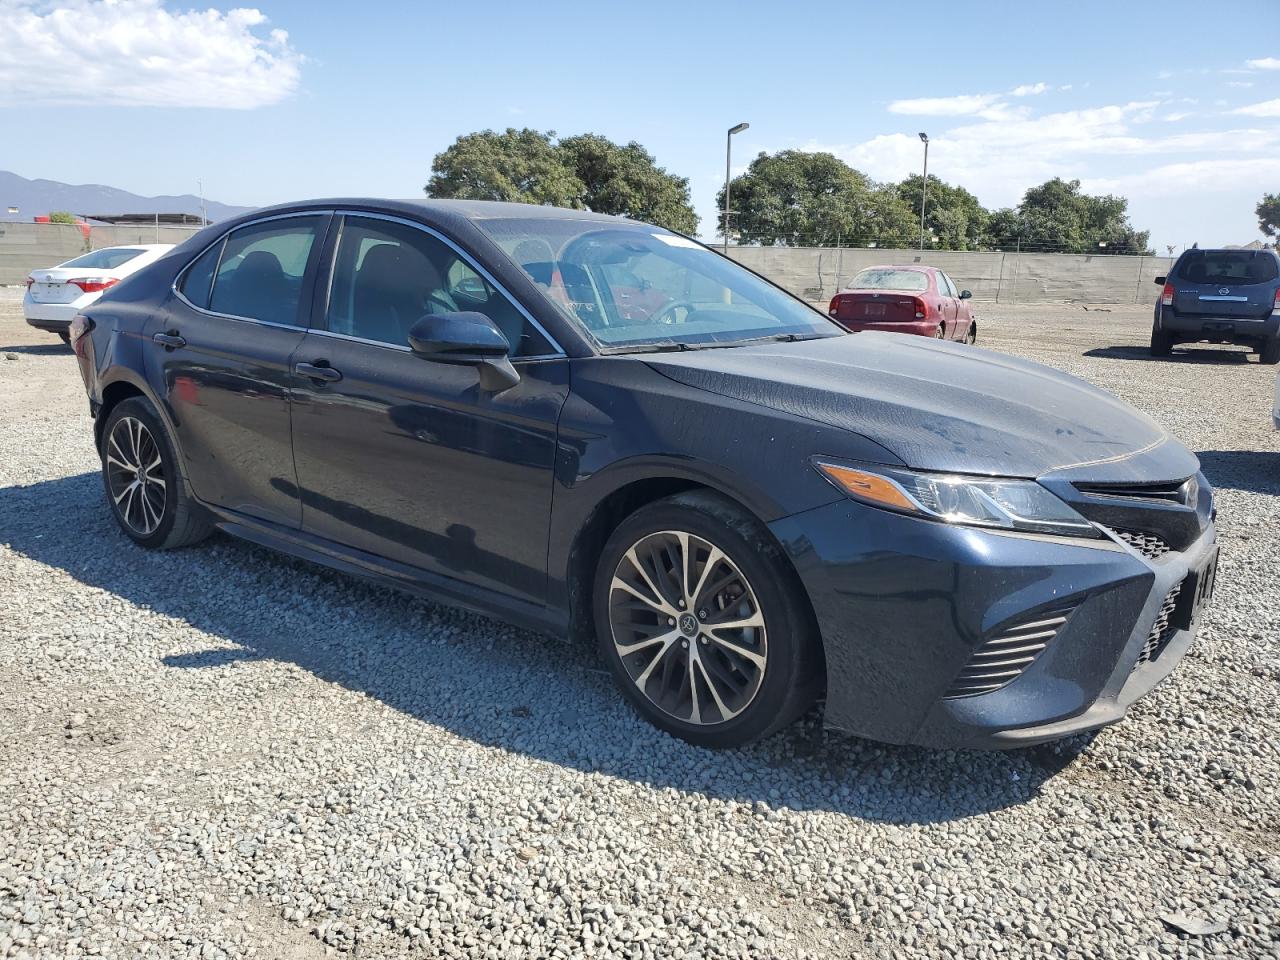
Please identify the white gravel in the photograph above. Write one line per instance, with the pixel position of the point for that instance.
(222, 753)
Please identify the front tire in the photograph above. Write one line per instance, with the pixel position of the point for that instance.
(704, 624)
(1161, 343)
(147, 493)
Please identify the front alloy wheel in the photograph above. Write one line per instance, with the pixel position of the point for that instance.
(687, 627)
(135, 476)
(704, 623)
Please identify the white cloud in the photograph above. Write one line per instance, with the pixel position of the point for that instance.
(1266, 63)
(1199, 176)
(1267, 108)
(1029, 89)
(1239, 83)
(965, 105)
(137, 53)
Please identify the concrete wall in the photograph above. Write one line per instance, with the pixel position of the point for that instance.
(28, 246)
(815, 273)
(811, 272)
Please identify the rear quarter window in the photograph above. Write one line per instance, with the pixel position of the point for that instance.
(198, 280)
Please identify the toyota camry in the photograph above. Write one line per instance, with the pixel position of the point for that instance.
(600, 429)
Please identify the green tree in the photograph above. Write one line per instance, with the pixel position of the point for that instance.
(954, 216)
(517, 165)
(61, 216)
(586, 172)
(626, 181)
(1268, 211)
(1057, 217)
(799, 198)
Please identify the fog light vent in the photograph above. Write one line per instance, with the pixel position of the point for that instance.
(1002, 658)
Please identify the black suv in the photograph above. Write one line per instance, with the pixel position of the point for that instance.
(1220, 296)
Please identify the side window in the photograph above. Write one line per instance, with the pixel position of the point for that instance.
(387, 276)
(260, 277)
(197, 282)
(945, 286)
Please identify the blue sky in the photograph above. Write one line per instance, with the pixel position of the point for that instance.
(1155, 101)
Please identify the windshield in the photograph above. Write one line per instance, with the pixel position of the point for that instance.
(886, 278)
(107, 259)
(1227, 266)
(631, 287)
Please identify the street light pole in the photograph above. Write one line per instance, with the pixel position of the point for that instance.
(728, 148)
(924, 186)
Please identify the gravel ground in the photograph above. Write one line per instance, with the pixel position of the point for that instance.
(221, 753)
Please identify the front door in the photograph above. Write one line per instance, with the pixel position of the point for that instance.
(218, 359)
(411, 459)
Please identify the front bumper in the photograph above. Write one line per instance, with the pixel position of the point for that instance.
(903, 604)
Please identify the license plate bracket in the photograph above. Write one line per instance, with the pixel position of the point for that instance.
(1200, 588)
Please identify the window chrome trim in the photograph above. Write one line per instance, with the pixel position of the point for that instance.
(222, 238)
(466, 257)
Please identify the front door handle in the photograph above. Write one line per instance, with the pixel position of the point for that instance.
(320, 370)
(170, 340)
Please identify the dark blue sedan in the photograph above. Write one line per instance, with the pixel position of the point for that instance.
(601, 429)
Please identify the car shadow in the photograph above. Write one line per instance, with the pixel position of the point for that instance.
(1249, 470)
(57, 348)
(1179, 355)
(486, 681)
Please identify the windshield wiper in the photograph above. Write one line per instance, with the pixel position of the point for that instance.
(665, 347)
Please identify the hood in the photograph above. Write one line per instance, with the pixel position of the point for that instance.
(944, 406)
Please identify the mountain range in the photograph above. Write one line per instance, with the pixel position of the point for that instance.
(34, 198)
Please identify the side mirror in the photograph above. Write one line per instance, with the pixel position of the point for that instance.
(1160, 281)
(466, 339)
(966, 294)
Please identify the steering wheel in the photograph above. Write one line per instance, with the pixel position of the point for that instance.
(666, 312)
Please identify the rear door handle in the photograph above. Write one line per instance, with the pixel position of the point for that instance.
(320, 370)
(170, 340)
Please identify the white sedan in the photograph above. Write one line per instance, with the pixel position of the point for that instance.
(56, 294)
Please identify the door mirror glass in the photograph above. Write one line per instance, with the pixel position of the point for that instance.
(469, 339)
(1160, 281)
(966, 294)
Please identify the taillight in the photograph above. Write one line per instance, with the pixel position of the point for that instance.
(834, 308)
(1167, 297)
(80, 325)
(1275, 307)
(94, 284)
(922, 308)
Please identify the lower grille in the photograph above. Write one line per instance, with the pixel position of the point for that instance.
(1148, 544)
(1163, 629)
(1002, 659)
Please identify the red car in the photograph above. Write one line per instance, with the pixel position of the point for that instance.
(912, 299)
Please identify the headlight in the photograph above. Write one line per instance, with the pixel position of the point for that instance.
(953, 498)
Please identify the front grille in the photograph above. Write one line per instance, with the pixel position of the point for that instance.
(1177, 491)
(1163, 629)
(1002, 659)
(1149, 545)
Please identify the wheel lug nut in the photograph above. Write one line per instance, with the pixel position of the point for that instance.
(671, 622)
(702, 614)
(684, 644)
(681, 604)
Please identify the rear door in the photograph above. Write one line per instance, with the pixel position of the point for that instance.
(1225, 283)
(218, 359)
(946, 302)
(410, 459)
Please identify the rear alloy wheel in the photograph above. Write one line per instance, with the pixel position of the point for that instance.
(701, 625)
(1270, 352)
(136, 480)
(148, 495)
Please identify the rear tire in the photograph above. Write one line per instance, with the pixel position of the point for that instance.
(65, 337)
(1161, 343)
(1270, 352)
(669, 574)
(940, 333)
(972, 336)
(147, 493)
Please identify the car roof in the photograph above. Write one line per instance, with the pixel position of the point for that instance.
(447, 209)
(894, 266)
